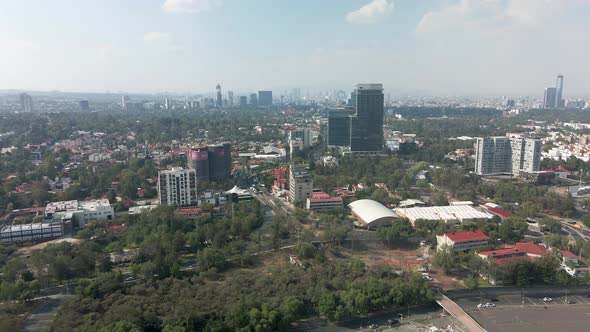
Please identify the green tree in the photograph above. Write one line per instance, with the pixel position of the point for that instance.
(471, 282)
(445, 259)
(210, 258)
(551, 224)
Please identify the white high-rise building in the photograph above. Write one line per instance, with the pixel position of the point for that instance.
(124, 100)
(26, 102)
(506, 155)
(177, 186)
(300, 183)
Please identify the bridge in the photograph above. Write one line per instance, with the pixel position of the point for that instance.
(456, 311)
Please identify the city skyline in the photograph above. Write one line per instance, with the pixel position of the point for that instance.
(461, 47)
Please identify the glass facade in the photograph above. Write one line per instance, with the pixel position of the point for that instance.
(339, 128)
(367, 124)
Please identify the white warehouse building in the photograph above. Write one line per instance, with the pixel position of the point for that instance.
(370, 213)
(448, 214)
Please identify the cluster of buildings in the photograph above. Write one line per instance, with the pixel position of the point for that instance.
(263, 98)
(208, 163)
(30, 225)
(479, 242)
(299, 139)
(358, 128)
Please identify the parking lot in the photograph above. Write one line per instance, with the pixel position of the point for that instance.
(530, 313)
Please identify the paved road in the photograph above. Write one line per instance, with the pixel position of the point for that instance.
(456, 311)
(420, 318)
(42, 316)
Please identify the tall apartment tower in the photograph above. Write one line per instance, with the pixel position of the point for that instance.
(508, 156)
(304, 134)
(230, 98)
(177, 186)
(219, 102)
(559, 102)
(212, 163)
(265, 98)
(26, 102)
(124, 100)
(300, 183)
(366, 135)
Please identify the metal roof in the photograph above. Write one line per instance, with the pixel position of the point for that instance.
(370, 211)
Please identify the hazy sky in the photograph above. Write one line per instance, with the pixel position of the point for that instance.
(441, 46)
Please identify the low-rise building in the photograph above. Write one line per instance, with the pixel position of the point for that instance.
(83, 211)
(37, 231)
(497, 210)
(236, 194)
(447, 214)
(370, 213)
(191, 213)
(568, 257)
(462, 241)
(322, 200)
(500, 256)
(139, 209)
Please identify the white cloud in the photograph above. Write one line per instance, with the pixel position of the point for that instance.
(371, 12)
(156, 36)
(489, 15)
(189, 6)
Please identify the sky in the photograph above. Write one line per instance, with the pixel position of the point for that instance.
(458, 47)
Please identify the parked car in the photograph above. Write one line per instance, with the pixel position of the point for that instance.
(373, 326)
(547, 299)
(489, 305)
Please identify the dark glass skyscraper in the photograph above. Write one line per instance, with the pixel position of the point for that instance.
(254, 100)
(553, 97)
(338, 131)
(550, 98)
(265, 98)
(367, 124)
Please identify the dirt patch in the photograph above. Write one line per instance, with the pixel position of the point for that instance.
(28, 250)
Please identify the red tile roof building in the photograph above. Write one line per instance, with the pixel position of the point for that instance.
(191, 213)
(280, 179)
(462, 241)
(321, 200)
(527, 250)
